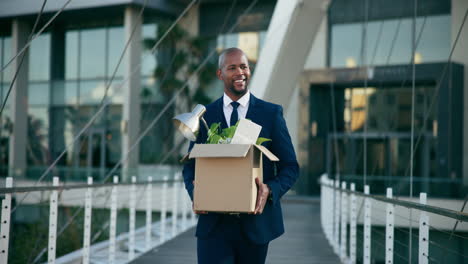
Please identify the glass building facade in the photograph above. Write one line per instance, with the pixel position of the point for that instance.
(370, 122)
(60, 105)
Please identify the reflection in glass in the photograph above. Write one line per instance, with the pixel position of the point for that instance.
(92, 92)
(7, 56)
(37, 143)
(71, 55)
(160, 137)
(38, 93)
(39, 58)
(115, 49)
(92, 52)
(389, 109)
(64, 92)
(390, 41)
(148, 61)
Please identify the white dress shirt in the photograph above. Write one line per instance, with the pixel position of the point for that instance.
(241, 109)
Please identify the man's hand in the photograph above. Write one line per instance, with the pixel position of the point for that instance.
(262, 195)
(197, 212)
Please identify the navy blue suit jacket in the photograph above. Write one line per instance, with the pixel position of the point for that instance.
(279, 176)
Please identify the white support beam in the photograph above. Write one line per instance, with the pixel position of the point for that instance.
(162, 230)
(367, 228)
(149, 213)
(87, 222)
(290, 35)
(175, 203)
(113, 221)
(389, 229)
(336, 230)
(353, 225)
(53, 213)
(5, 224)
(423, 232)
(344, 223)
(131, 228)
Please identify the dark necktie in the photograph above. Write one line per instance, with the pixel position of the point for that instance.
(234, 115)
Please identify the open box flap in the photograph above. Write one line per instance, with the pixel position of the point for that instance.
(267, 153)
(219, 151)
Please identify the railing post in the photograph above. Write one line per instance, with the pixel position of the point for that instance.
(344, 222)
(53, 212)
(367, 226)
(423, 232)
(330, 211)
(175, 201)
(389, 229)
(193, 217)
(87, 221)
(113, 221)
(149, 212)
(353, 224)
(336, 231)
(131, 233)
(5, 225)
(162, 229)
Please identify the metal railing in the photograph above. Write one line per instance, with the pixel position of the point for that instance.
(121, 248)
(341, 212)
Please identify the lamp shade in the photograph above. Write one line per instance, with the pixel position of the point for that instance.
(189, 123)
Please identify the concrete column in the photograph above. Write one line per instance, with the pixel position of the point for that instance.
(19, 100)
(131, 105)
(460, 55)
(291, 33)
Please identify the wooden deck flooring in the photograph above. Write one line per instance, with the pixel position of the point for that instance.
(303, 242)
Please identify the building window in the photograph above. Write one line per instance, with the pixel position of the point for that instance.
(390, 41)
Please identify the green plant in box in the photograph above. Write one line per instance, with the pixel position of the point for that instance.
(216, 135)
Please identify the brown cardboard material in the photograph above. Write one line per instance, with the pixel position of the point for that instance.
(225, 176)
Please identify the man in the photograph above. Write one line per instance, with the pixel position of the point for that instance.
(244, 238)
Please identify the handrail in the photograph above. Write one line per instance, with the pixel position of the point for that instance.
(460, 216)
(76, 186)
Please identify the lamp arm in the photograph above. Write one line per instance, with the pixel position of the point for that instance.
(206, 125)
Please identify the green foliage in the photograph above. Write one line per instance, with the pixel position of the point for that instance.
(215, 136)
(183, 54)
(260, 140)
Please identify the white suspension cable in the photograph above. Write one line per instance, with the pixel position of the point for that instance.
(413, 91)
(366, 102)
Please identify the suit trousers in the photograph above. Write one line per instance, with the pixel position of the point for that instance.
(228, 244)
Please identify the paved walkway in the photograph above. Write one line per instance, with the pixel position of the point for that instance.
(303, 242)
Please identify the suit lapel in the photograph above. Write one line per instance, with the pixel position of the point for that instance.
(220, 116)
(251, 112)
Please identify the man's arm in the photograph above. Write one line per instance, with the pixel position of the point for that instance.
(287, 167)
(188, 171)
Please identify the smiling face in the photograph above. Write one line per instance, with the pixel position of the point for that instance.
(235, 73)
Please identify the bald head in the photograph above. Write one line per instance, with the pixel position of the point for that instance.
(226, 52)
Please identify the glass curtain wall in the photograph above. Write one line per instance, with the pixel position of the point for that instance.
(386, 107)
(91, 59)
(388, 42)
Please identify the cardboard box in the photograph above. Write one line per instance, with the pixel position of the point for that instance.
(225, 176)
